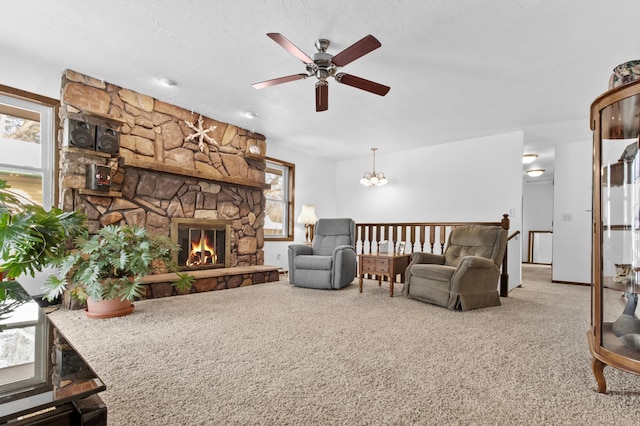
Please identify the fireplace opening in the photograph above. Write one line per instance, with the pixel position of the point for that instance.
(204, 243)
(200, 247)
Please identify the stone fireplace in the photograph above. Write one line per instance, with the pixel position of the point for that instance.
(174, 170)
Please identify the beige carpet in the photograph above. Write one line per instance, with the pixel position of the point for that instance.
(274, 354)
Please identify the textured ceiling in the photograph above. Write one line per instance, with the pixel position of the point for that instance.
(457, 70)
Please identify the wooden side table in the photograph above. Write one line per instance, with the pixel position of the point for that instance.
(383, 264)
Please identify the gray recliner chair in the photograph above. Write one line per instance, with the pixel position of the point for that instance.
(466, 276)
(330, 262)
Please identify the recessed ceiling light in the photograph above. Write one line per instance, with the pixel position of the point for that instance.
(168, 82)
(250, 114)
(535, 172)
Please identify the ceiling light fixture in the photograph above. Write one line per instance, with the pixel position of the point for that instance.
(529, 158)
(250, 114)
(374, 178)
(535, 172)
(167, 82)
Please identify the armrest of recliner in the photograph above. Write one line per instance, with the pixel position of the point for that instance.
(420, 257)
(344, 265)
(423, 257)
(295, 250)
(342, 248)
(471, 272)
(343, 252)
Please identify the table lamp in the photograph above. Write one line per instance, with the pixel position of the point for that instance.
(309, 218)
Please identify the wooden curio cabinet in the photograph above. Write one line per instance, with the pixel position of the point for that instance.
(614, 336)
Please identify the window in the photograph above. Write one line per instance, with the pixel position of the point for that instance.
(278, 221)
(27, 124)
(23, 348)
(27, 163)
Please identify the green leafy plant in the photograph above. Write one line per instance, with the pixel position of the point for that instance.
(33, 237)
(110, 264)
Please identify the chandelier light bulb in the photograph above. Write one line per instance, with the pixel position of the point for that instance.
(382, 180)
(365, 179)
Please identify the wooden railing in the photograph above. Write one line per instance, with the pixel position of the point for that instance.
(428, 237)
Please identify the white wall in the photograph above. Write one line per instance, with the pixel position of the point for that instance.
(472, 180)
(33, 285)
(572, 213)
(537, 207)
(315, 182)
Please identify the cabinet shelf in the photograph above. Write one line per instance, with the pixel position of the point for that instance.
(620, 228)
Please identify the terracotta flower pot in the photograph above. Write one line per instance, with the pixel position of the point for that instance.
(108, 308)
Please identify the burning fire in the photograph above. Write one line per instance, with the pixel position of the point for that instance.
(202, 252)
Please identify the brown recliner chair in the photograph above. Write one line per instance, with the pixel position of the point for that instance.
(466, 276)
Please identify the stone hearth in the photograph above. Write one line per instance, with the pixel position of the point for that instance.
(159, 285)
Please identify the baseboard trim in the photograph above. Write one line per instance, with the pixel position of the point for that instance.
(571, 283)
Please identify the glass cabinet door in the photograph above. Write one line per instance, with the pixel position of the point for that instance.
(615, 338)
(620, 203)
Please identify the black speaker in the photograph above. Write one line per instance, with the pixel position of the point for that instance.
(81, 134)
(107, 140)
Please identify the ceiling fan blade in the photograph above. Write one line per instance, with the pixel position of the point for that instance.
(290, 47)
(356, 50)
(322, 96)
(361, 83)
(280, 80)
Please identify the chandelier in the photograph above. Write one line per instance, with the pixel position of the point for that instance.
(374, 178)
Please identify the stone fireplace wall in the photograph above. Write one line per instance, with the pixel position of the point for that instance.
(165, 169)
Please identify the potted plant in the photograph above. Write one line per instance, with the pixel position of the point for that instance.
(33, 237)
(106, 268)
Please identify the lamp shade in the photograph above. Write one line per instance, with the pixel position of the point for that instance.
(308, 215)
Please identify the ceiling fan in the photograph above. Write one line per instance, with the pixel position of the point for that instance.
(324, 65)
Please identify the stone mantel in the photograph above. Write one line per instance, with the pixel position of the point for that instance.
(184, 171)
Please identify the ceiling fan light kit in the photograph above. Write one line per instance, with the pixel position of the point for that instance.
(325, 65)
